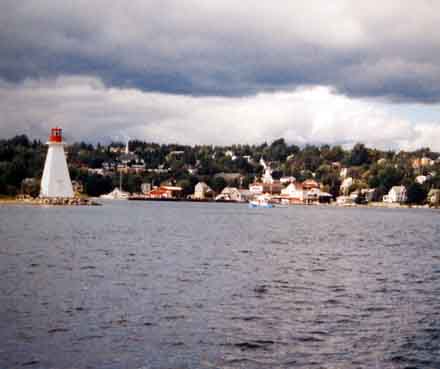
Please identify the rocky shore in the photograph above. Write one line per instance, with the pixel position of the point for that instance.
(57, 201)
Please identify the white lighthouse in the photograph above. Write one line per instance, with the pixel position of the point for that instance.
(56, 179)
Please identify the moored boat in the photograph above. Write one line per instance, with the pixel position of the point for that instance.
(260, 202)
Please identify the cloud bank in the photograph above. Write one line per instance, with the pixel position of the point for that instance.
(382, 49)
(223, 72)
(89, 110)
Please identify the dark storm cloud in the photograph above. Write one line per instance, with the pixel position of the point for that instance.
(228, 48)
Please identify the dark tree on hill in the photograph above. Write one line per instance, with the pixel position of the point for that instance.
(416, 194)
(277, 151)
(217, 184)
(95, 185)
(359, 155)
(385, 178)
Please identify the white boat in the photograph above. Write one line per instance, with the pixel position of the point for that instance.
(260, 202)
(116, 194)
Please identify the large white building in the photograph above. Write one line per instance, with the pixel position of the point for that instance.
(397, 194)
(56, 179)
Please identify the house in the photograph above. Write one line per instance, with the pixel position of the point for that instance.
(369, 193)
(345, 185)
(343, 173)
(191, 170)
(397, 194)
(137, 168)
(259, 188)
(422, 179)
(256, 188)
(293, 194)
(230, 154)
(202, 191)
(285, 180)
(127, 158)
(176, 154)
(434, 197)
(98, 171)
(229, 177)
(145, 188)
(77, 187)
(230, 194)
(312, 195)
(165, 192)
(310, 184)
(344, 200)
(325, 197)
(109, 165)
(246, 195)
(422, 162)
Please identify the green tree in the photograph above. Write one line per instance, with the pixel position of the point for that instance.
(416, 194)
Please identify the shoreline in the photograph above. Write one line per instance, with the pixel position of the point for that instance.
(49, 202)
(93, 202)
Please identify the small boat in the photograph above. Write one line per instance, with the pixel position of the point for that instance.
(116, 194)
(260, 202)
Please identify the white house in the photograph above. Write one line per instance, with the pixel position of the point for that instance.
(344, 200)
(397, 194)
(230, 194)
(285, 180)
(256, 188)
(345, 185)
(422, 179)
(294, 193)
(343, 173)
(202, 191)
(231, 154)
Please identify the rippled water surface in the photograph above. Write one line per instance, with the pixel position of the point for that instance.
(183, 285)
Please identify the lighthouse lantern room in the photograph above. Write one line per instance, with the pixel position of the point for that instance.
(56, 179)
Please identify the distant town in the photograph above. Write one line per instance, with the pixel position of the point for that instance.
(284, 173)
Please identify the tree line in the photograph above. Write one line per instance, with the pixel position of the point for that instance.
(183, 165)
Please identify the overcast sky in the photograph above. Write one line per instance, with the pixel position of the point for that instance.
(223, 72)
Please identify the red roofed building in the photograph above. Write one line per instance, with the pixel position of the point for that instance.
(309, 184)
(165, 192)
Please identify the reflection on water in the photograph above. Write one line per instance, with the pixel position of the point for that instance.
(183, 285)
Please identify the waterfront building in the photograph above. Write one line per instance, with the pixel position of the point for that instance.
(202, 191)
(434, 197)
(345, 185)
(422, 179)
(344, 200)
(230, 178)
(286, 180)
(56, 179)
(293, 194)
(422, 162)
(230, 194)
(77, 187)
(165, 192)
(145, 188)
(343, 173)
(246, 195)
(310, 184)
(397, 194)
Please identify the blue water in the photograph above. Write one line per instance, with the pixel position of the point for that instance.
(188, 285)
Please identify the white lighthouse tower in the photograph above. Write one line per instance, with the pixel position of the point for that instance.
(56, 179)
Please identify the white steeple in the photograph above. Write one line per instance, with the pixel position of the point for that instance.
(267, 175)
(56, 179)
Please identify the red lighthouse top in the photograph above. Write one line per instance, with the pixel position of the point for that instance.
(55, 135)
